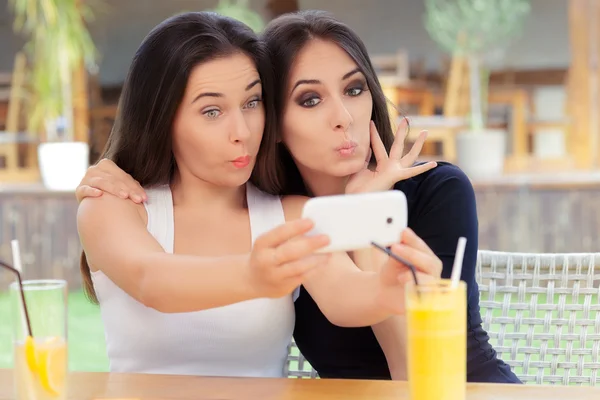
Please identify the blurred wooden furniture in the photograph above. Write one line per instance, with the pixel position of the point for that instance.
(583, 85)
(453, 98)
(392, 72)
(392, 69)
(101, 116)
(81, 109)
(527, 129)
(18, 150)
(442, 129)
(90, 385)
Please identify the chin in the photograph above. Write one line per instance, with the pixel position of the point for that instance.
(346, 167)
(235, 179)
(239, 180)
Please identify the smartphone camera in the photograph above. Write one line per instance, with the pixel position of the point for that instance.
(390, 220)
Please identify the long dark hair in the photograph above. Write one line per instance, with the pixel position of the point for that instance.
(285, 37)
(141, 142)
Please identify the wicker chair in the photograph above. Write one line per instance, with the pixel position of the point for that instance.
(541, 312)
(297, 366)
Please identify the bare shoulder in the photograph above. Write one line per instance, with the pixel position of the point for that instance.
(292, 206)
(94, 210)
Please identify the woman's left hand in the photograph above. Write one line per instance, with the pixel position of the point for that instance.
(390, 168)
(394, 275)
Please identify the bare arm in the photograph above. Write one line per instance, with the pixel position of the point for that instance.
(390, 333)
(116, 241)
(346, 296)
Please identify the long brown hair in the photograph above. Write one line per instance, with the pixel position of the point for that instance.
(140, 142)
(285, 37)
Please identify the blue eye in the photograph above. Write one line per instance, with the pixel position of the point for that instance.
(353, 92)
(212, 114)
(253, 103)
(311, 102)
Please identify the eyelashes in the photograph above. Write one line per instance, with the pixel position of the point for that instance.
(215, 112)
(312, 98)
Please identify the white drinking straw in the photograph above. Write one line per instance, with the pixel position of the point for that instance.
(458, 262)
(16, 256)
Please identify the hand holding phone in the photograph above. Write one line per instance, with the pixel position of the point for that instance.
(282, 256)
(354, 221)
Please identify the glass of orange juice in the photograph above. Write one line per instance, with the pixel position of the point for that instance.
(437, 340)
(40, 360)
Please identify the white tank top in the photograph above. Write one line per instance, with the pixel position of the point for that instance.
(250, 338)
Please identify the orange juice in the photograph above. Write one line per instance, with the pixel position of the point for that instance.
(437, 341)
(40, 361)
(41, 369)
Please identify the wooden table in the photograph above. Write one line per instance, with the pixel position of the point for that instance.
(89, 386)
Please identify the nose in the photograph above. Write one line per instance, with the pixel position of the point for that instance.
(238, 131)
(341, 119)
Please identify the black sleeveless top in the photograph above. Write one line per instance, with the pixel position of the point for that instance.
(441, 208)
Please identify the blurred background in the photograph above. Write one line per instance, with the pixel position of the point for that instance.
(508, 90)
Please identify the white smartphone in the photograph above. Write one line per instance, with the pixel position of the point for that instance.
(354, 221)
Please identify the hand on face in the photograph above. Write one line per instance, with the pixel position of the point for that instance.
(390, 169)
(394, 275)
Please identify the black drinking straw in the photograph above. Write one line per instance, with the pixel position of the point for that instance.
(399, 259)
(16, 272)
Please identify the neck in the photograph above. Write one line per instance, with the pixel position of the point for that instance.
(189, 190)
(320, 184)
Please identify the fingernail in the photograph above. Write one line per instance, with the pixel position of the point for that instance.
(97, 192)
(123, 194)
(136, 198)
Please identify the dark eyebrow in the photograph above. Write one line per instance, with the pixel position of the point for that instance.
(207, 94)
(251, 85)
(349, 74)
(214, 94)
(317, 82)
(306, 82)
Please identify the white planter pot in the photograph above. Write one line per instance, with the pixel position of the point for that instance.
(63, 164)
(481, 154)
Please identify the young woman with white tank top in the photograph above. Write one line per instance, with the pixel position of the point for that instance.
(191, 120)
(249, 338)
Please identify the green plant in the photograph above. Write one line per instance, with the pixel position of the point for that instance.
(474, 28)
(240, 10)
(58, 42)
